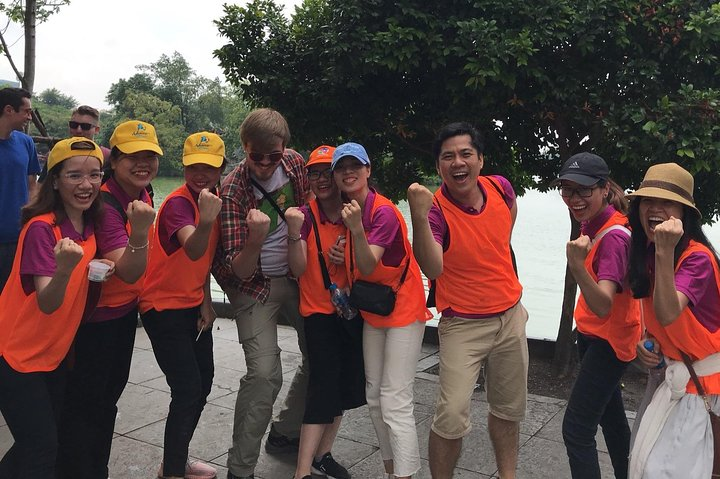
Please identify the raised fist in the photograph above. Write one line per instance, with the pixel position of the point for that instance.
(420, 200)
(209, 205)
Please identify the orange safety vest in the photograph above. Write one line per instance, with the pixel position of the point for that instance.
(621, 328)
(175, 281)
(410, 298)
(686, 334)
(312, 286)
(478, 275)
(32, 341)
(116, 292)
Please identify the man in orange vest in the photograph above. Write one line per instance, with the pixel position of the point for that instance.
(461, 239)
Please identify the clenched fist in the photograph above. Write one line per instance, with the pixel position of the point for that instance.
(140, 215)
(209, 205)
(258, 225)
(420, 200)
(577, 250)
(352, 217)
(67, 255)
(668, 233)
(294, 218)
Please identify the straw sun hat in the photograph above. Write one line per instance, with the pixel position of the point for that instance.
(668, 181)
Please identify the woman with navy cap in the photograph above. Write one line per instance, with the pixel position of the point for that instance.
(606, 315)
(378, 251)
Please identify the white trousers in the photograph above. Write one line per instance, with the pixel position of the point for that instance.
(391, 356)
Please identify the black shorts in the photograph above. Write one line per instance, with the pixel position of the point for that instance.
(337, 372)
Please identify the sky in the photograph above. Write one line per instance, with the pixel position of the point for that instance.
(90, 44)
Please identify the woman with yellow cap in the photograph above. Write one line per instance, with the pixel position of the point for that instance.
(104, 343)
(178, 315)
(44, 301)
(674, 271)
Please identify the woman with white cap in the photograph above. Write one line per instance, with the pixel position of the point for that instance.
(47, 295)
(378, 252)
(606, 315)
(674, 271)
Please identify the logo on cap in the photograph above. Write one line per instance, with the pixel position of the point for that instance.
(203, 143)
(574, 165)
(140, 130)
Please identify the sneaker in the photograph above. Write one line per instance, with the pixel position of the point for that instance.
(195, 470)
(277, 443)
(327, 466)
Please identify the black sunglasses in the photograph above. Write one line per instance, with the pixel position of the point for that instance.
(274, 157)
(84, 126)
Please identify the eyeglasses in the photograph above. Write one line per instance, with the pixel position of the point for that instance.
(274, 157)
(84, 126)
(352, 166)
(94, 178)
(568, 192)
(316, 174)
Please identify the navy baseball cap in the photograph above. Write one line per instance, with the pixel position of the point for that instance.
(584, 169)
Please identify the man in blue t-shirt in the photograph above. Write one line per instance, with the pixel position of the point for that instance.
(19, 167)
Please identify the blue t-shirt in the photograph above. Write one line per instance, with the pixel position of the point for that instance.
(18, 160)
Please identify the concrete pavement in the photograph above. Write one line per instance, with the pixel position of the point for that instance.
(137, 447)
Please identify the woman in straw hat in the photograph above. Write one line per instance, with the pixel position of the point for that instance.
(674, 271)
(47, 295)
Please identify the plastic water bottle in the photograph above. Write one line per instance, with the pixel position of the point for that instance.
(648, 345)
(340, 299)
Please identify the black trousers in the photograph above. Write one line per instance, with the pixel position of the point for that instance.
(30, 404)
(97, 376)
(189, 369)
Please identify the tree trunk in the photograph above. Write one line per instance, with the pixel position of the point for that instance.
(565, 352)
(28, 79)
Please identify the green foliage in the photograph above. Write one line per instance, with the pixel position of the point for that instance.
(53, 96)
(15, 10)
(170, 95)
(634, 81)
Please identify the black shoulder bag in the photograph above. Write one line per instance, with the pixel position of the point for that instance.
(373, 297)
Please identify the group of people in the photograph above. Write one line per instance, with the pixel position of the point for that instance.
(315, 245)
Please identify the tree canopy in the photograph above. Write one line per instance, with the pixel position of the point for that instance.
(634, 81)
(170, 95)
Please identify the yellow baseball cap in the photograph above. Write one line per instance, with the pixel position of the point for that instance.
(133, 136)
(204, 147)
(75, 146)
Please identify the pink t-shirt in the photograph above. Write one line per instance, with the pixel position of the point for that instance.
(611, 260)
(177, 213)
(383, 230)
(38, 257)
(696, 280)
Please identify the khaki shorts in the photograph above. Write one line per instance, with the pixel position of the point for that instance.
(499, 342)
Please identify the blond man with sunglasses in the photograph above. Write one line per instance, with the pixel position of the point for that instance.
(252, 268)
(85, 122)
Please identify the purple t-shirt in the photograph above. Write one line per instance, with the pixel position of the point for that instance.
(177, 213)
(111, 236)
(438, 225)
(611, 259)
(695, 278)
(383, 230)
(307, 223)
(38, 256)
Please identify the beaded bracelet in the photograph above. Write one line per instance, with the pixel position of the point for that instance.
(293, 239)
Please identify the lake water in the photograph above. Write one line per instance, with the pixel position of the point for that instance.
(541, 231)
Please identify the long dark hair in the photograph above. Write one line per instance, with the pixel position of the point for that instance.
(639, 270)
(616, 195)
(48, 200)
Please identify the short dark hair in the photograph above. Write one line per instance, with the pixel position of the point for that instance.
(13, 97)
(87, 110)
(457, 129)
